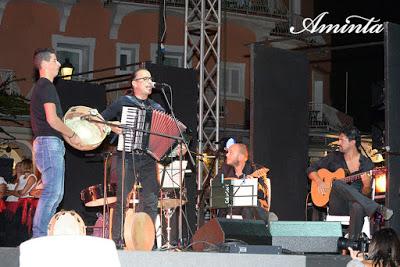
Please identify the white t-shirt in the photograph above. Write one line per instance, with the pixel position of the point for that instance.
(22, 180)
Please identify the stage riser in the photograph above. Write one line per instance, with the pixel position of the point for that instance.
(185, 259)
(10, 257)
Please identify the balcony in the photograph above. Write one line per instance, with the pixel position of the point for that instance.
(262, 8)
(326, 118)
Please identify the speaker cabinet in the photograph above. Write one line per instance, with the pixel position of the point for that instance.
(220, 230)
(301, 236)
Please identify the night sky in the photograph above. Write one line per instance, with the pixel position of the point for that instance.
(365, 66)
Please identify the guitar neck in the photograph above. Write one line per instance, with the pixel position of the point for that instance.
(355, 177)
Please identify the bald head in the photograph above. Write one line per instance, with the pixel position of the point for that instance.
(237, 154)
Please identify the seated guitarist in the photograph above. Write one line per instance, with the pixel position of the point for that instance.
(238, 166)
(349, 199)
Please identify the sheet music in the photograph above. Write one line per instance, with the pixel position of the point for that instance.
(172, 177)
(244, 192)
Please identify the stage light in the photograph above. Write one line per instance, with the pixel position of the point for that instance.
(380, 183)
(66, 69)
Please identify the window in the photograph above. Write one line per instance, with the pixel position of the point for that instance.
(126, 54)
(79, 51)
(173, 55)
(232, 81)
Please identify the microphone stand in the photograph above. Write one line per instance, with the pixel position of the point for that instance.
(105, 202)
(181, 141)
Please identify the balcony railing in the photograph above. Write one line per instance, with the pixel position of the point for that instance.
(326, 117)
(269, 8)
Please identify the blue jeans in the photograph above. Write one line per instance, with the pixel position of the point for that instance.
(48, 152)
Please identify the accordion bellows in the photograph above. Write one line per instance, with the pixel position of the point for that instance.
(142, 129)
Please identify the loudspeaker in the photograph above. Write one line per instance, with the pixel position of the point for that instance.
(220, 230)
(392, 120)
(304, 236)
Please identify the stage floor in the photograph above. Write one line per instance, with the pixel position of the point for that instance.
(9, 257)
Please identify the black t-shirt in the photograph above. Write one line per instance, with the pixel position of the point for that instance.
(44, 92)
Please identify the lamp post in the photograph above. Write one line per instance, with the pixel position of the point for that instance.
(66, 69)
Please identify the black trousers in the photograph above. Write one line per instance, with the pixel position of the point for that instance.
(145, 168)
(347, 200)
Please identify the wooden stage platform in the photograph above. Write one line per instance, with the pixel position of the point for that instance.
(9, 257)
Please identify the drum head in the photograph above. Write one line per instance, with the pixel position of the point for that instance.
(139, 232)
(91, 134)
(170, 199)
(66, 223)
(169, 203)
(93, 196)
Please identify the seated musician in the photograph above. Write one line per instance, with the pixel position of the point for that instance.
(238, 166)
(348, 199)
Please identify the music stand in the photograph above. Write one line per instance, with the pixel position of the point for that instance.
(172, 172)
(171, 179)
(234, 193)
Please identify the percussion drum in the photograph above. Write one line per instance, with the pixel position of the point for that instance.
(139, 232)
(91, 134)
(66, 223)
(170, 199)
(93, 196)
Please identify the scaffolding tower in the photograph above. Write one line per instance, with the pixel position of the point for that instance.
(202, 52)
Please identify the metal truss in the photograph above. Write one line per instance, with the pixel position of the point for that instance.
(202, 52)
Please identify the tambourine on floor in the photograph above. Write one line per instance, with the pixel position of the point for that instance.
(66, 223)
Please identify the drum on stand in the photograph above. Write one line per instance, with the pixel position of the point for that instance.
(170, 198)
(93, 196)
(66, 223)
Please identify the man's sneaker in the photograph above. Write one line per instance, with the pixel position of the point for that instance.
(382, 214)
(386, 212)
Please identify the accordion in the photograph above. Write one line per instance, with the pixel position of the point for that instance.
(143, 125)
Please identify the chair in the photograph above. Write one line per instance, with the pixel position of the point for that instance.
(345, 220)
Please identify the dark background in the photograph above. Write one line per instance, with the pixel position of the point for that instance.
(365, 65)
(280, 126)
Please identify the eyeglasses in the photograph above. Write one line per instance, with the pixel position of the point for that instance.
(145, 79)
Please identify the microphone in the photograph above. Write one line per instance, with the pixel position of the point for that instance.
(157, 84)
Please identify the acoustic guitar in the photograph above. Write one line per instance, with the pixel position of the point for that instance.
(328, 177)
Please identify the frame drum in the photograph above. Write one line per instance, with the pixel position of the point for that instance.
(139, 231)
(91, 134)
